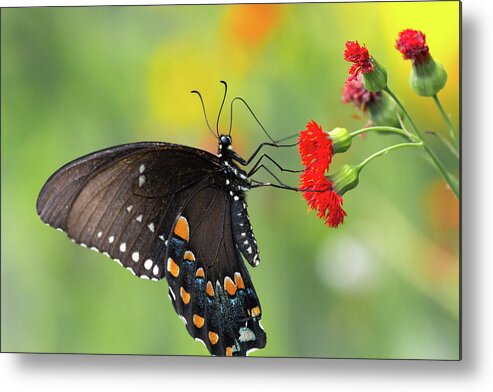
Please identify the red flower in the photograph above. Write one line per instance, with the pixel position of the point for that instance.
(319, 195)
(315, 147)
(354, 91)
(412, 44)
(357, 54)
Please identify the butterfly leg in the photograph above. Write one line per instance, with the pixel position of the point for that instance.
(260, 146)
(281, 185)
(254, 168)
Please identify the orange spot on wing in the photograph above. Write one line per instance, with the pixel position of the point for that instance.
(181, 228)
(200, 273)
(189, 256)
(184, 296)
(229, 286)
(213, 337)
(173, 268)
(239, 281)
(229, 352)
(198, 321)
(255, 311)
(209, 289)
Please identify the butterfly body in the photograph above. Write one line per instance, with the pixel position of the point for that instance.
(169, 211)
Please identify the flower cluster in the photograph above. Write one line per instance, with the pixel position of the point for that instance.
(374, 75)
(315, 147)
(316, 150)
(412, 45)
(360, 57)
(366, 88)
(382, 110)
(354, 91)
(428, 77)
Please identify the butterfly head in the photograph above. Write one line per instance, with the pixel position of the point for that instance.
(225, 150)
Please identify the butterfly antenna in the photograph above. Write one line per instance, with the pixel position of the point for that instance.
(222, 104)
(205, 113)
(253, 114)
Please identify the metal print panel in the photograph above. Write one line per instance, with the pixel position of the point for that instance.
(274, 180)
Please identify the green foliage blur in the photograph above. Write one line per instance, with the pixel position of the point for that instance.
(75, 80)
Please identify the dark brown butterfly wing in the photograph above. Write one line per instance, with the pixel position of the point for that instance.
(160, 210)
(123, 201)
(208, 281)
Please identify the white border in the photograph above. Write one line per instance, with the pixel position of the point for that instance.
(85, 373)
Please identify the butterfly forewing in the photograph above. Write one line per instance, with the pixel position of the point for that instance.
(125, 203)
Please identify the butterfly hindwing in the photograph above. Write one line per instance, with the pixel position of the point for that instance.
(209, 284)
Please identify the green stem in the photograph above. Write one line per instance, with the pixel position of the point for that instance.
(449, 178)
(451, 128)
(445, 142)
(385, 129)
(401, 106)
(384, 152)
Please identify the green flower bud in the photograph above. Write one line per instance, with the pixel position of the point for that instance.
(345, 179)
(427, 78)
(341, 140)
(375, 80)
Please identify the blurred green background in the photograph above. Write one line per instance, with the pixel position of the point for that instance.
(75, 80)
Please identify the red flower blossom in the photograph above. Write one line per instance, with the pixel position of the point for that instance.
(319, 195)
(354, 91)
(412, 44)
(315, 147)
(357, 54)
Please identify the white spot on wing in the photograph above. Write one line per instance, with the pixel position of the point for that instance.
(249, 250)
(142, 168)
(161, 237)
(172, 294)
(131, 270)
(139, 218)
(142, 180)
(151, 227)
(155, 270)
(111, 239)
(123, 247)
(135, 256)
(144, 277)
(100, 234)
(148, 264)
(129, 208)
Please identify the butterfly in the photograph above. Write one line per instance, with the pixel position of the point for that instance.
(168, 211)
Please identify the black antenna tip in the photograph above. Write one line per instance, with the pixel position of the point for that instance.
(223, 82)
